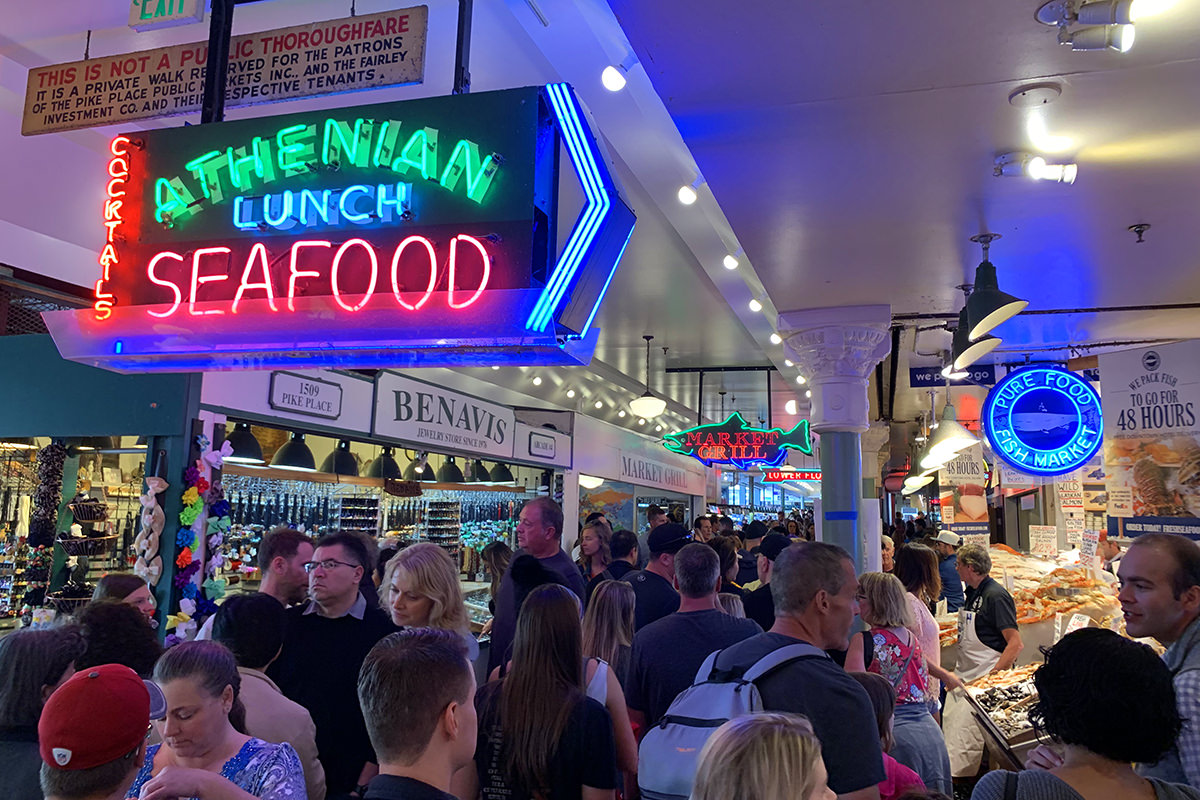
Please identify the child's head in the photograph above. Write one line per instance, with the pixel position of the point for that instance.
(883, 700)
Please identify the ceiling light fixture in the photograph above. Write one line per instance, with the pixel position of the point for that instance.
(788, 362)
(808, 393)
(800, 379)
(951, 437)
(949, 371)
(987, 306)
(590, 481)
(776, 338)
(621, 413)
(384, 465)
(537, 380)
(599, 404)
(341, 461)
(450, 472)
(755, 306)
(501, 474)
(478, 473)
(246, 447)
(295, 455)
(495, 367)
(658, 428)
(614, 75)
(1026, 165)
(1110, 22)
(729, 262)
(641, 422)
(964, 352)
(790, 408)
(648, 405)
(570, 392)
(1120, 12)
(688, 192)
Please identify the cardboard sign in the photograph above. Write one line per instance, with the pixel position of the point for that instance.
(341, 55)
(1087, 547)
(1043, 540)
(981, 539)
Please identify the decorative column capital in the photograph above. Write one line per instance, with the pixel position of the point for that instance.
(836, 349)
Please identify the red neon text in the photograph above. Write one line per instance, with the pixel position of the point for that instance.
(781, 475)
(350, 274)
(118, 172)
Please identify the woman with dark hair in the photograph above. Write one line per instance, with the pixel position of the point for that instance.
(117, 633)
(205, 754)
(727, 553)
(917, 569)
(32, 665)
(1101, 730)
(129, 589)
(793, 528)
(540, 735)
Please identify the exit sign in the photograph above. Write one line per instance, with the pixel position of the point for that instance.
(148, 15)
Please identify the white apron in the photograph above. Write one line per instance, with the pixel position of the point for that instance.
(964, 739)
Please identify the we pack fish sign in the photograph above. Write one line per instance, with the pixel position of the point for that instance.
(421, 233)
(739, 443)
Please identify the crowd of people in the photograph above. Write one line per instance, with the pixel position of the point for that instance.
(308, 689)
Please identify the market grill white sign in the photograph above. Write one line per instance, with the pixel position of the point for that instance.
(1152, 439)
(637, 468)
(425, 414)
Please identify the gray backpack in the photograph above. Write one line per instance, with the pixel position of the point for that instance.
(670, 751)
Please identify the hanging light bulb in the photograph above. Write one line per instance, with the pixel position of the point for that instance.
(951, 437)
(648, 406)
(964, 352)
(987, 306)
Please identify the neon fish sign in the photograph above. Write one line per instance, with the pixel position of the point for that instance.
(737, 442)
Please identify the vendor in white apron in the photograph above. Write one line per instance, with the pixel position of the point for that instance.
(988, 641)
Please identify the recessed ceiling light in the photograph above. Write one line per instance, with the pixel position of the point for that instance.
(537, 380)
(599, 404)
(641, 422)
(730, 262)
(658, 427)
(755, 306)
(790, 407)
(613, 78)
(808, 393)
(495, 367)
(687, 195)
(788, 361)
(776, 338)
(570, 392)
(801, 380)
(621, 413)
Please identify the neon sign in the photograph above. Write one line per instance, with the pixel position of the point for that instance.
(785, 474)
(1043, 420)
(421, 233)
(736, 442)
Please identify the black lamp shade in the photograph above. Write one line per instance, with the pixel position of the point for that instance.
(478, 473)
(246, 448)
(295, 455)
(411, 473)
(965, 352)
(450, 473)
(987, 306)
(341, 460)
(384, 466)
(502, 474)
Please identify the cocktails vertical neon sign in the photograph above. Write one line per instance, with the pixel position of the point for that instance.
(118, 174)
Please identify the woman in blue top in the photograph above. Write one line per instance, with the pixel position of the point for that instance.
(206, 756)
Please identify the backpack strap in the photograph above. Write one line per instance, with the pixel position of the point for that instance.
(779, 657)
(706, 669)
(1010, 786)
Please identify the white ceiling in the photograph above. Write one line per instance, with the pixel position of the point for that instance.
(847, 147)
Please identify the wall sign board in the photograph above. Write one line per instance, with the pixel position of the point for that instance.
(341, 55)
(1043, 420)
(425, 414)
(418, 233)
(737, 442)
(148, 15)
(302, 394)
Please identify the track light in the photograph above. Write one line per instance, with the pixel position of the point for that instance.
(987, 306)
(648, 405)
(1025, 165)
(1099, 37)
(688, 192)
(1120, 12)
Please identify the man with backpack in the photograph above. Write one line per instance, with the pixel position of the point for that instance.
(667, 653)
(814, 587)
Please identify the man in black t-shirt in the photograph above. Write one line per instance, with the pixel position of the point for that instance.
(667, 653)
(759, 604)
(654, 586)
(752, 536)
(814, 586)
(422, 730)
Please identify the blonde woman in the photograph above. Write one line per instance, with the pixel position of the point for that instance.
(919, 744)
(595, 553)
(762, 757)
(607, 645)
(423, 592)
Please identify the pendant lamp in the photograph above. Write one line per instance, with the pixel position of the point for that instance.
(648, 406)
(477, 473)
(964, 352)
(246, 448)
(295, 455)
(501, 474)
(341, 460)
(450, 473)
(987, 306)
(18, 443)
(951, 437)
(384, 465)
(418, 469)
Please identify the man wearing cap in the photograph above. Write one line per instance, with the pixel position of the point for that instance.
(654, 586)
(92, 733)
(759, 605)
(952, 587)
(752, 536)
(667, 653)
(1110, 553)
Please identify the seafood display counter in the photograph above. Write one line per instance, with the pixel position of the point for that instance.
(1000, 702)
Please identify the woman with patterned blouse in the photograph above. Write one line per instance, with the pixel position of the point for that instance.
(919, 744)
(205, 755)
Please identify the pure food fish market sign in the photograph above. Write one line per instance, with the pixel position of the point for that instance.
(736, 442)
(1043, 420)
(419, 233)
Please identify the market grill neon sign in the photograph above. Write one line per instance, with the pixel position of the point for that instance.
(1043, 420)
(736, 442)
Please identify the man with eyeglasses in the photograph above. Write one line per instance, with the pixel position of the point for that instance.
(323, 649)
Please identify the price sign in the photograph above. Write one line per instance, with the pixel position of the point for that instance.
(1043, 540)
(981, 539)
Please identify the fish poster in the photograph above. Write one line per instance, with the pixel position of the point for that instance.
(1151, 398)
(963, 483)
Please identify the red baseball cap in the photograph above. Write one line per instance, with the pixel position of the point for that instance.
(99, 715)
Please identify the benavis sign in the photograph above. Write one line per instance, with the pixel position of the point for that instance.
(1043, 420)
(413, 234)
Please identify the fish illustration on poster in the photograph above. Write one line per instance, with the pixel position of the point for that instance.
(963, 483)
(1152, 439)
